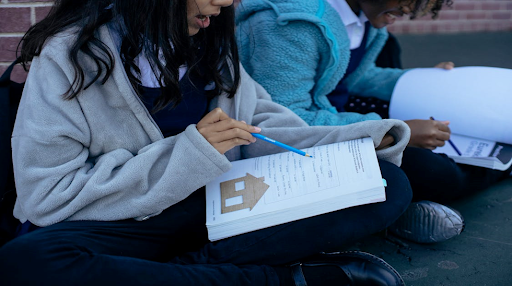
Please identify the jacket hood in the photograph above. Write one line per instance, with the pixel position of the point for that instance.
(285, 9)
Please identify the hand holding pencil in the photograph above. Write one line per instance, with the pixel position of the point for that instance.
(450, 141)
(428, 134)
(224, 132)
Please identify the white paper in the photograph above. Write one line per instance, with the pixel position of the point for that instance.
(468, 147)
(301, 186)
(476, 100)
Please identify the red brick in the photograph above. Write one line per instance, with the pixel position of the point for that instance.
(14, 20)
(406, 29)
(495, 26)
(501, 25)
(41, 12)
(419, 27)
(395, 28)
(18, 73)
(501, 15)
(477, 26)
(476, 15)
(427, 17)
(463, 6)
(449, 15)
(491, 6)
(8, 47)
(401, 19)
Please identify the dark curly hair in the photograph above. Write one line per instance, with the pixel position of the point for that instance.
(157, 28)
(423, 7)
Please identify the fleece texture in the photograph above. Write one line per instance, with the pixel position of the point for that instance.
(101, 156)
(298, 50)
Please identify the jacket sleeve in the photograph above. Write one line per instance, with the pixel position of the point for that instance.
(282, 124)
(284, 59)
(58, 179)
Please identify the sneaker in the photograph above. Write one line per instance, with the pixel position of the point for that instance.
(428, 222)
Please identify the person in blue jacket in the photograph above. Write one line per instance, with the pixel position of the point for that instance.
(313, 55)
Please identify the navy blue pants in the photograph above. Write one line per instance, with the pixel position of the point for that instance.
(172, 248)
(438, 178)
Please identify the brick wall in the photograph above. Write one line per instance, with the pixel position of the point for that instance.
(16, 16)
(462, 16)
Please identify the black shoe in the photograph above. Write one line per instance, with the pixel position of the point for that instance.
(360, 268)
(428, 222)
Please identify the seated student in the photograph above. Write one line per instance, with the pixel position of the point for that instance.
(130, 108)
(311, 55)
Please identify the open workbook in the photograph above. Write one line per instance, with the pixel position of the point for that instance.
(476, 100)
(270, 190)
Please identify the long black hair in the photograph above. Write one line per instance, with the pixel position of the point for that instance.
(157, 28)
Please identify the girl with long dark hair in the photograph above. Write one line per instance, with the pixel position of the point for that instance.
(130, 108)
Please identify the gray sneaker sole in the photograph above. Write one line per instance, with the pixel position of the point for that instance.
(428, 222)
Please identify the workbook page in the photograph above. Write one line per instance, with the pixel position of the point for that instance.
(293, 180)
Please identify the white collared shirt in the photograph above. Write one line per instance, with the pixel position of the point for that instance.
(147, 77)
(353, 23)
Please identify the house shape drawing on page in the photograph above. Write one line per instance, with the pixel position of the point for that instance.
(242, 193)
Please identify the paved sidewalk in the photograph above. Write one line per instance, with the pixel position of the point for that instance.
(471, 49)
(482, 254)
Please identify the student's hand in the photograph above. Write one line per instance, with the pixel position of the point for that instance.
(225, 133)
(428, 134)
(445, 65)
(387, 141)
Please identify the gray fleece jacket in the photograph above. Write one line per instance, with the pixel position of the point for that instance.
(101, 156)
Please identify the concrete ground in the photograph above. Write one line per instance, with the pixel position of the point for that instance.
(482, 254)
(468, 49)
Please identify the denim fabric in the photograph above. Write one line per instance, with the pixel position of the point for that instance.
(172, 248)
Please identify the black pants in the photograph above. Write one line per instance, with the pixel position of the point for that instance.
(438, 178)
(172, 248)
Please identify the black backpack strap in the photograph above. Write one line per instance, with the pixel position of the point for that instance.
(10, 94)
(6, 76)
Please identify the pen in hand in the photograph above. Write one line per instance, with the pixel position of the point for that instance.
(282, 145)
(450, 141)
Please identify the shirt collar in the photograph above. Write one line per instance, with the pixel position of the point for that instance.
(347, 15)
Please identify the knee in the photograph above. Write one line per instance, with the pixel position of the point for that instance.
(398, 189)
(16, 258)
(28, 254)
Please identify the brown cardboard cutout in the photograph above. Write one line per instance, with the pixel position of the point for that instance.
(254, 190)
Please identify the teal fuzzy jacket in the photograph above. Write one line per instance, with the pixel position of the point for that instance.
(298, 50)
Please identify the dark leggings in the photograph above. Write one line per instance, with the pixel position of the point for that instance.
(172, 248)
(437, 178)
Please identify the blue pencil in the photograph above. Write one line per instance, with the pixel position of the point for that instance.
(282, 145)
(451, 143)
